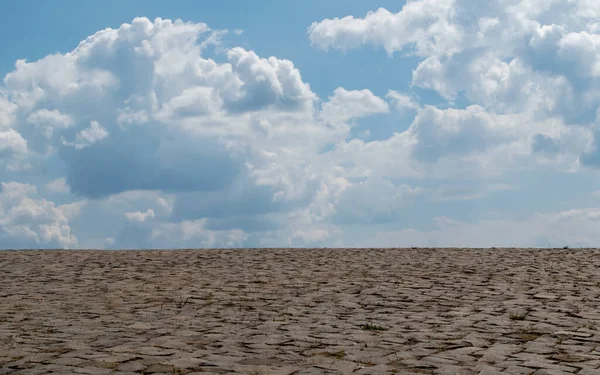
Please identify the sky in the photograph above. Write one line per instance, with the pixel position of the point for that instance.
(147, 124)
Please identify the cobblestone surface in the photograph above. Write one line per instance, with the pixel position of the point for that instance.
(297, 311)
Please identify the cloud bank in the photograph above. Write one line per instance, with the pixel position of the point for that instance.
(150, 136)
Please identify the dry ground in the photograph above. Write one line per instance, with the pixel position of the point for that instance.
(297, 311)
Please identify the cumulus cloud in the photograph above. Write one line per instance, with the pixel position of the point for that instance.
(58, 185)
(345, 105)
(478, 50)
(11, 142)
(527, 66)
(13, 150)
(46, 121)
(170, 139)
(426, 26)
(27, 222)
(89, 136)
(140, 216)
(269, 81)
(462, 143)
(160, 114)
(7, 112)
(402, 102)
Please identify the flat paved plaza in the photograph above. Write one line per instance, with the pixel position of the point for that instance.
(301, 311)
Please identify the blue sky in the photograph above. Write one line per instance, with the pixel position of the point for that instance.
(321, 123)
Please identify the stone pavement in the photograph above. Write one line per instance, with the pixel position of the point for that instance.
(299, 311)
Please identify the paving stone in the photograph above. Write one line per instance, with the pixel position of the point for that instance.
(283, 311)
(132, 366)
(543, 371)
(91, 370)
(189, 362)
(488, 370)
(518, 370)
(573, 333)
(545, 296)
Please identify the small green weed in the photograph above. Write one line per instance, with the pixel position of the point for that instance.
(373, 327)
(338, 355)
(518, 315)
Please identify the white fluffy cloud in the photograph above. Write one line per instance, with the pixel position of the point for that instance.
(13, 150)
(426, 25)
(58, 185)
(268, 82)
(161, 114)
(7, 112)
(345, 105)
(152, 137)
(535, 64)
(26, 222)
(12, 142)
(86, 137)
(402, 102)
(479, 50)
(46, 121)
(140, 216)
